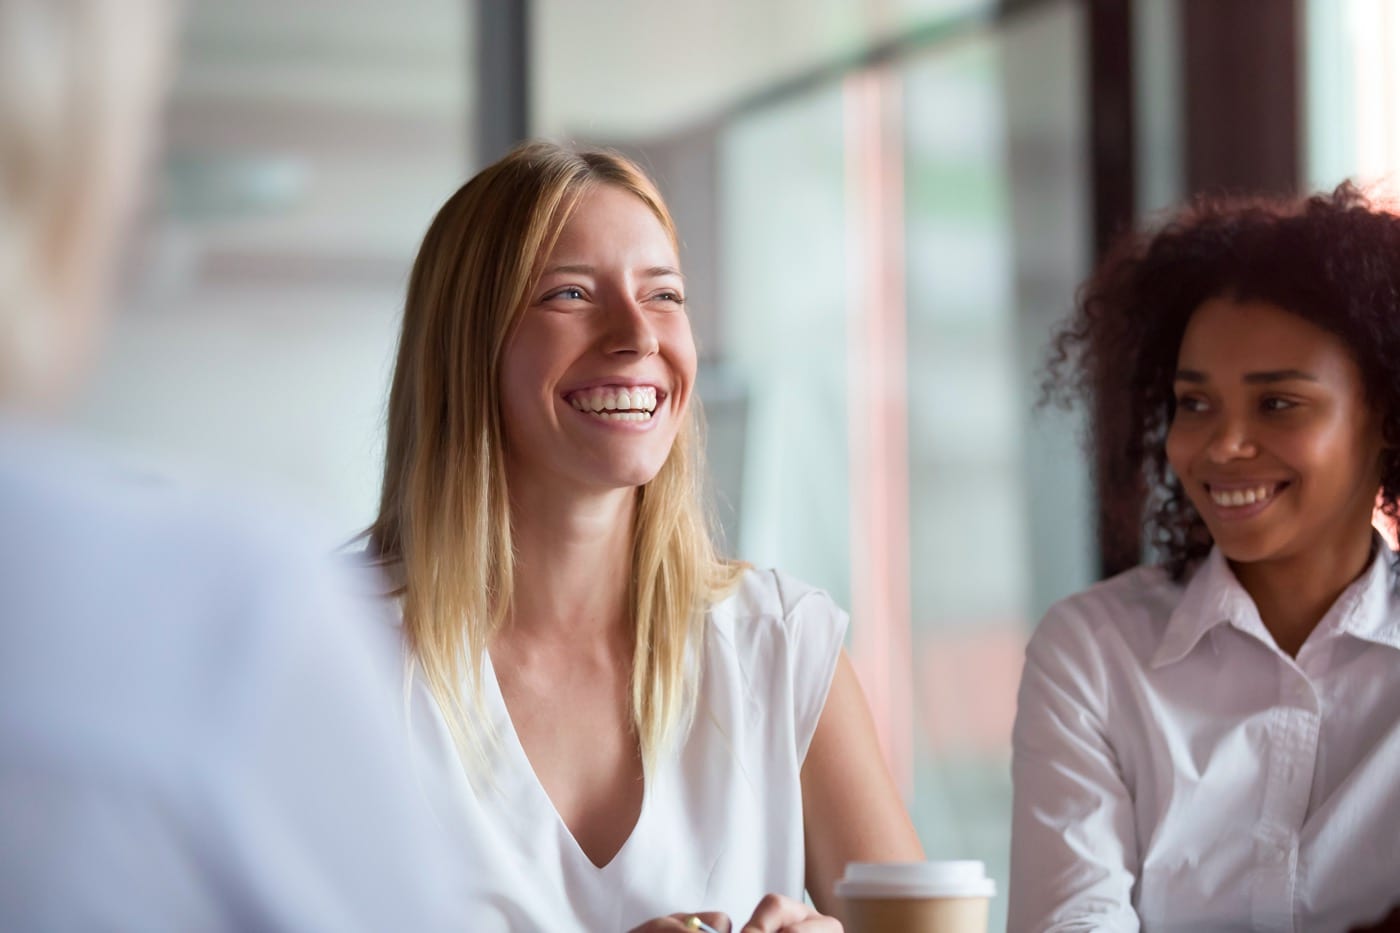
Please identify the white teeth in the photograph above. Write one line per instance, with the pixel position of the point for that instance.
(1239, 497)
(621, 415)
(639, 400)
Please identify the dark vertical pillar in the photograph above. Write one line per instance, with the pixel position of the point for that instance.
(1113, 190)
(502, 75)
(1242, 78)
(1111, 126)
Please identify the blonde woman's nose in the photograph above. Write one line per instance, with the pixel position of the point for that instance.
(630, 330)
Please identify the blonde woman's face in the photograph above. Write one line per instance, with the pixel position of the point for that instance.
(597, 375)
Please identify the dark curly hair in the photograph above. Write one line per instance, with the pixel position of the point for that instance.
(1332, 259)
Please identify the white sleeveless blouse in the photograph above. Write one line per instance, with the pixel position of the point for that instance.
(721, 817)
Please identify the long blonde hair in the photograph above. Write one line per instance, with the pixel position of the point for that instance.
(444, 515)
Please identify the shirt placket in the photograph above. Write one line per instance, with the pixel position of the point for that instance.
(1293, 733)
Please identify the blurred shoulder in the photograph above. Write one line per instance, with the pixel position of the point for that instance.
(68, 494)
(172, 601)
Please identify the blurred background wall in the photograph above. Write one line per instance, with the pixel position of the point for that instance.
(308, 143)
(886, 206)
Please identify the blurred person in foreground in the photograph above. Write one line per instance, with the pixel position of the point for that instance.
(1212, 742)
(623, 725)
(197, 726)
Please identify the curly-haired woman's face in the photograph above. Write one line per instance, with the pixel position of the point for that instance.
(1273, 438)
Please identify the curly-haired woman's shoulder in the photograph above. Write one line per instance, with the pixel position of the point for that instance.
(1129, 609)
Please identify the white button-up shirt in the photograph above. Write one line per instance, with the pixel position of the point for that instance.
(1175, 770)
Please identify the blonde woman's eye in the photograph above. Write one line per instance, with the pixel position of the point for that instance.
(568, 292)
(675, 298)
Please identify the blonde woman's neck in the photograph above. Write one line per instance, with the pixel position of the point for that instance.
(573, 563)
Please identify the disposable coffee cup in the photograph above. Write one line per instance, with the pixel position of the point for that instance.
(916, 897)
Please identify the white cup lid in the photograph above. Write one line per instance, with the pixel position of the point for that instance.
(916, 879)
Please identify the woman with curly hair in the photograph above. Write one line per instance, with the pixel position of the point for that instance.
(1211, 741)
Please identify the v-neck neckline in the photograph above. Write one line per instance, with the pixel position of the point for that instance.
(516, 749)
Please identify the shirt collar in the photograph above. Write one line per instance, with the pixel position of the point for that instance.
(1213, 597)
(1368, 609)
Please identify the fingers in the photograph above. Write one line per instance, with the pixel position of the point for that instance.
(713, 919)
(774, 914)
(676, 923)
(815, 923)
(778, 914)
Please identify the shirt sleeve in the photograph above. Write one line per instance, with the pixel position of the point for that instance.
(816, 630)
(1074, 846)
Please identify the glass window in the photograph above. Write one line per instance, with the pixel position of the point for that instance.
(896, 247)
(783, 301)
(1352, 92)
(307, 146)
(999, 498)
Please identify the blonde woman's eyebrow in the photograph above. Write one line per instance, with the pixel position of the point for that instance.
(573, 269)
(652, 272)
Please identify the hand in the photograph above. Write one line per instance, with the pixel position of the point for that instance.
(778, 914)
(675, 923)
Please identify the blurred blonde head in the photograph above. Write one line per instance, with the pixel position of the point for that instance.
(79, 82)
(444, 513)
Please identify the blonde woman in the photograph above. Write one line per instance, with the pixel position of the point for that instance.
(621, 727)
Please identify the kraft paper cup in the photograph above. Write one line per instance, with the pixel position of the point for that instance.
(916, 897)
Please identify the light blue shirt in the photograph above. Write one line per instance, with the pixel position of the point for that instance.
(199, 728)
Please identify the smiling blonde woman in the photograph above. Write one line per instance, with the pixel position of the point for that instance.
(620, 723)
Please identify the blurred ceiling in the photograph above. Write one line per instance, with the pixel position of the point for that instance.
(316, 137)
(628, 69)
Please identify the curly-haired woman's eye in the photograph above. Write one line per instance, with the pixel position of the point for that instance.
(1190, 403)
(1273, 403)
